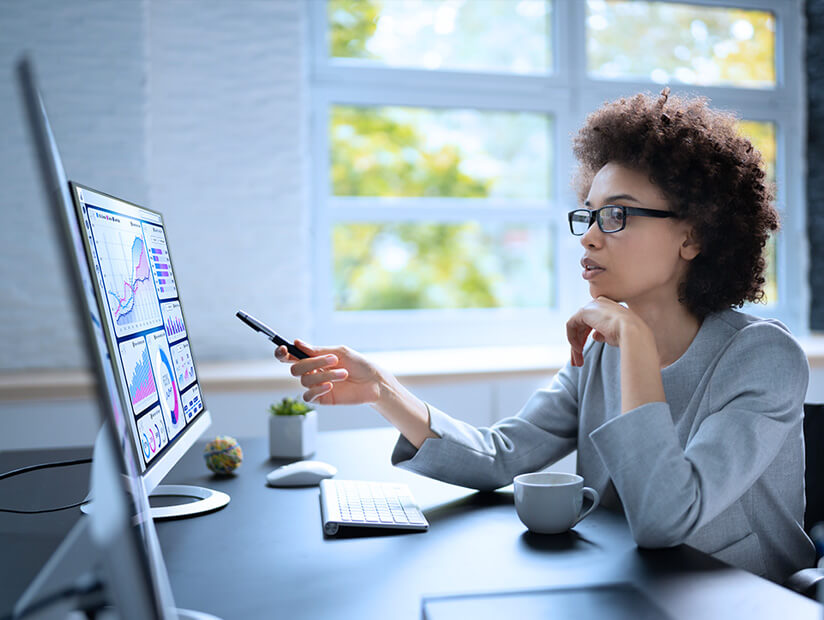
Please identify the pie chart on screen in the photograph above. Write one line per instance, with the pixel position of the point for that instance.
(167, 387)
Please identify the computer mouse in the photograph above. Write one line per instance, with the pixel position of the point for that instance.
(300, 474)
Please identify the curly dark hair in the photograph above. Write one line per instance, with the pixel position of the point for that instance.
(711, 176)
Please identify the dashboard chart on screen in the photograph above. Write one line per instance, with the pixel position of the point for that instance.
(144, 318)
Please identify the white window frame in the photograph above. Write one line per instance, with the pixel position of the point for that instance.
(567, 95)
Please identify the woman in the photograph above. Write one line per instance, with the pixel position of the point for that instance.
(685, 413)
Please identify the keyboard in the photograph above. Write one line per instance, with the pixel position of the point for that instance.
(358, 503)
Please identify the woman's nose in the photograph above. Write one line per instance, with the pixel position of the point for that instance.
(593, 237)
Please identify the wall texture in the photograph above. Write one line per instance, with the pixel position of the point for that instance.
(228, 165)
(92, 66)
(196, 109)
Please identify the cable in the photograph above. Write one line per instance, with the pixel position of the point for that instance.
(23, 470)
(28, 468)
(86, 589)
(44, 510)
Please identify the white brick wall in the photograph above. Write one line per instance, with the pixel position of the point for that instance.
(91, 63)
(196, 109)
(227, 163)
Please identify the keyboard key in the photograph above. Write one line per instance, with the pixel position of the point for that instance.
(415, 516)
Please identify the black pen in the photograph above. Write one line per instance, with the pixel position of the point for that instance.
(270, 334)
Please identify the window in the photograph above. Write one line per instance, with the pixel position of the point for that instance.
(442, 161)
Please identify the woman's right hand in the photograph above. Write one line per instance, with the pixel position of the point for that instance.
(333, 375)
(341, 376)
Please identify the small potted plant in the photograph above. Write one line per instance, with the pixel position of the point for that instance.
(293, 429)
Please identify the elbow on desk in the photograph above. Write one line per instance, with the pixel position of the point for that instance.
(654, 526)
(489, 488)
(656, 535)
(655, 540)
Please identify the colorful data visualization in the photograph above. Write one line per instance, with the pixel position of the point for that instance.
(159, 260)
(151, 433)
(191, 402)
(185, 367)
(138, 371)
(166, 382)
(173, 321)
(142, 314)
(126, 269)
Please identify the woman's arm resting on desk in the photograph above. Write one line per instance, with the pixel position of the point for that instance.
(341, 376)
(755, 396)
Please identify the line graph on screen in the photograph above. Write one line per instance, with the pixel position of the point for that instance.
(127, 276)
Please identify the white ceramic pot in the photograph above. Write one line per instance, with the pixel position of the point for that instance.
(293, 436)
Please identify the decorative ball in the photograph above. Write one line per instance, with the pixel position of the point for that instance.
(223, 455)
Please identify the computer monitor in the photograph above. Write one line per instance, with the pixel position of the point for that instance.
(127, 251)
(117, 545)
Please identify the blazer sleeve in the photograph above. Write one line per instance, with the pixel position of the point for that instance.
(755, 396)
(544, 431)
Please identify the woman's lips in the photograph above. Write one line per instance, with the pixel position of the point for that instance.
(592, 272)
(591, 268)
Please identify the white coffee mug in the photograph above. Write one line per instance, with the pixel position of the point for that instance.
(551, 502)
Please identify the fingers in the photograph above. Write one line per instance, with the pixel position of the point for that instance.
(316, 392)
(313, 364)
(577, 333)
(312, 379)
(307, 348)
(282, 353)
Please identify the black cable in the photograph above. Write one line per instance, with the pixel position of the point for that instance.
(23, 470)
(84, 588)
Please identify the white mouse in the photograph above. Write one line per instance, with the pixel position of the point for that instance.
(300, 474)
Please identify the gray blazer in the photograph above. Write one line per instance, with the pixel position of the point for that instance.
(719, 466)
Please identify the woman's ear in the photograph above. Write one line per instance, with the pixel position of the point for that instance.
(690, 247)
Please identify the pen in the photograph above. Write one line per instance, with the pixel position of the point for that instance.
(270, 334)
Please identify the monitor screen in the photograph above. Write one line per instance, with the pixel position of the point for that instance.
(142, 315)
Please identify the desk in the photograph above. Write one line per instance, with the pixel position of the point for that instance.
(264, 555)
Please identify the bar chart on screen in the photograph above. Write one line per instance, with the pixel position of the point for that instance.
(173, 321)
(125, 266)
(138, 371)
(159, 260)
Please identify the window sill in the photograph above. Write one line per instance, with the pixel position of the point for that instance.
(268, 374)
(414, 365)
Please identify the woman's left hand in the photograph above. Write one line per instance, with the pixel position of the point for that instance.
(603, 317)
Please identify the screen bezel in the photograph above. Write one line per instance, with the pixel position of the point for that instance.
(153, 472)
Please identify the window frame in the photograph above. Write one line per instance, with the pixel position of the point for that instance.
(567, 95)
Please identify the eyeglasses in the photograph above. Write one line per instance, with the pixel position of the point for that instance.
(610, 218)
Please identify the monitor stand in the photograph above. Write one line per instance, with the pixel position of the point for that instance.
(196, 501)
(192, 500)
(199, 500)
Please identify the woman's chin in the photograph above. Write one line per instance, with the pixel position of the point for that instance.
(596, 291)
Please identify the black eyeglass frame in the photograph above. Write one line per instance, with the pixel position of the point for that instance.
(595, 216)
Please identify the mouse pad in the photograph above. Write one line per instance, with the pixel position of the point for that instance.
(614, 601)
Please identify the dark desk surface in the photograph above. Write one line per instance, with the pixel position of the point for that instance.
(264, 555)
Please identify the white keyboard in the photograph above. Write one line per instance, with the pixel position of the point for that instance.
(358, 503)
